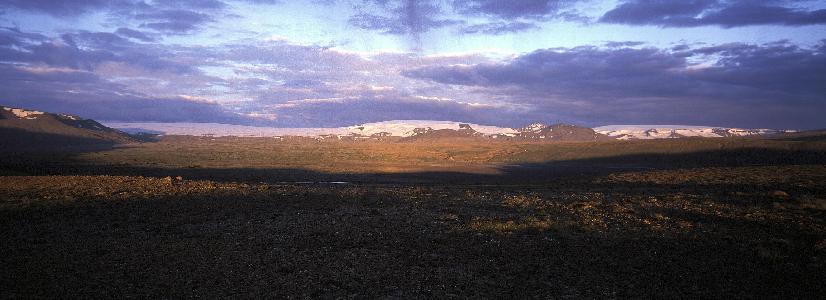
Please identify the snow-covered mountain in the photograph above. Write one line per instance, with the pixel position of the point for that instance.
(30, 128)
(444, 129)
(558, 132)
(217, 129)
(408, 128)
(402, 128)
(647, 132)
(21, 113)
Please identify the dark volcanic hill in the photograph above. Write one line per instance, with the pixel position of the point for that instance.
(560, 132)
(538, 132)
(464, 131)
(21, 128)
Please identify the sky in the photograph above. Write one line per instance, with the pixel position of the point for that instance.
(329, 63)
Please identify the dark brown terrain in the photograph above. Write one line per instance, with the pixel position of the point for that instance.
(41, 130)
(449, 217)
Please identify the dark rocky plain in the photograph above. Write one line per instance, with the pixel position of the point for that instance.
(185, 217)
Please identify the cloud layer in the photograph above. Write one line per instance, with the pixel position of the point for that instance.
(171, 61)
(726, 13)
(745, 84)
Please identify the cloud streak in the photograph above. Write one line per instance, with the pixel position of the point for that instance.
(510, 10)
(409, 18)
(753, 83)
(174, 61)
(732, 13)
(498, 28)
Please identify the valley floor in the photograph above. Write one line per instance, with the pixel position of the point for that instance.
(696, 218)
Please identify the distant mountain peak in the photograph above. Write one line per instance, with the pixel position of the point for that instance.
(409, 128)
(646, 132)
(533, 127)
(24, 114)
(558, 132)
(433, 128)
(21, 127)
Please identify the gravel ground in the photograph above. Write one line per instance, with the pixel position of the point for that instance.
(703, 232)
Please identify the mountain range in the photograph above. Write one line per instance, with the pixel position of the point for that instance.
(405, 129)
(441, 129)
(20, 127)
(647, 132)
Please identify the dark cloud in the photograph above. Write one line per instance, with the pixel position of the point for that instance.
(56, 7)
(411, 18)
(269, 2)
(128, 75)
(417, 16)
(67, 74)
(114, 77)
(63, 53)
(732, 13)
(10, 36)
(498, 28)
(414, 17)
(780, 67)
(392, 25)
(345, 112)
(194, 4)
(135, 34)
(87, 50)
(378, 23)
(510, 9)
(513, 16)
(748, 85)
(62, 8)
(174, 21)
(85, 94)
(554, 70)
(303, 83)
(614, 44)
(168, 17)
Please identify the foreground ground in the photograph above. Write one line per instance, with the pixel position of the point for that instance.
(697, 218)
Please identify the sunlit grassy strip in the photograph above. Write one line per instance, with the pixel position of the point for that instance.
(524, 225)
